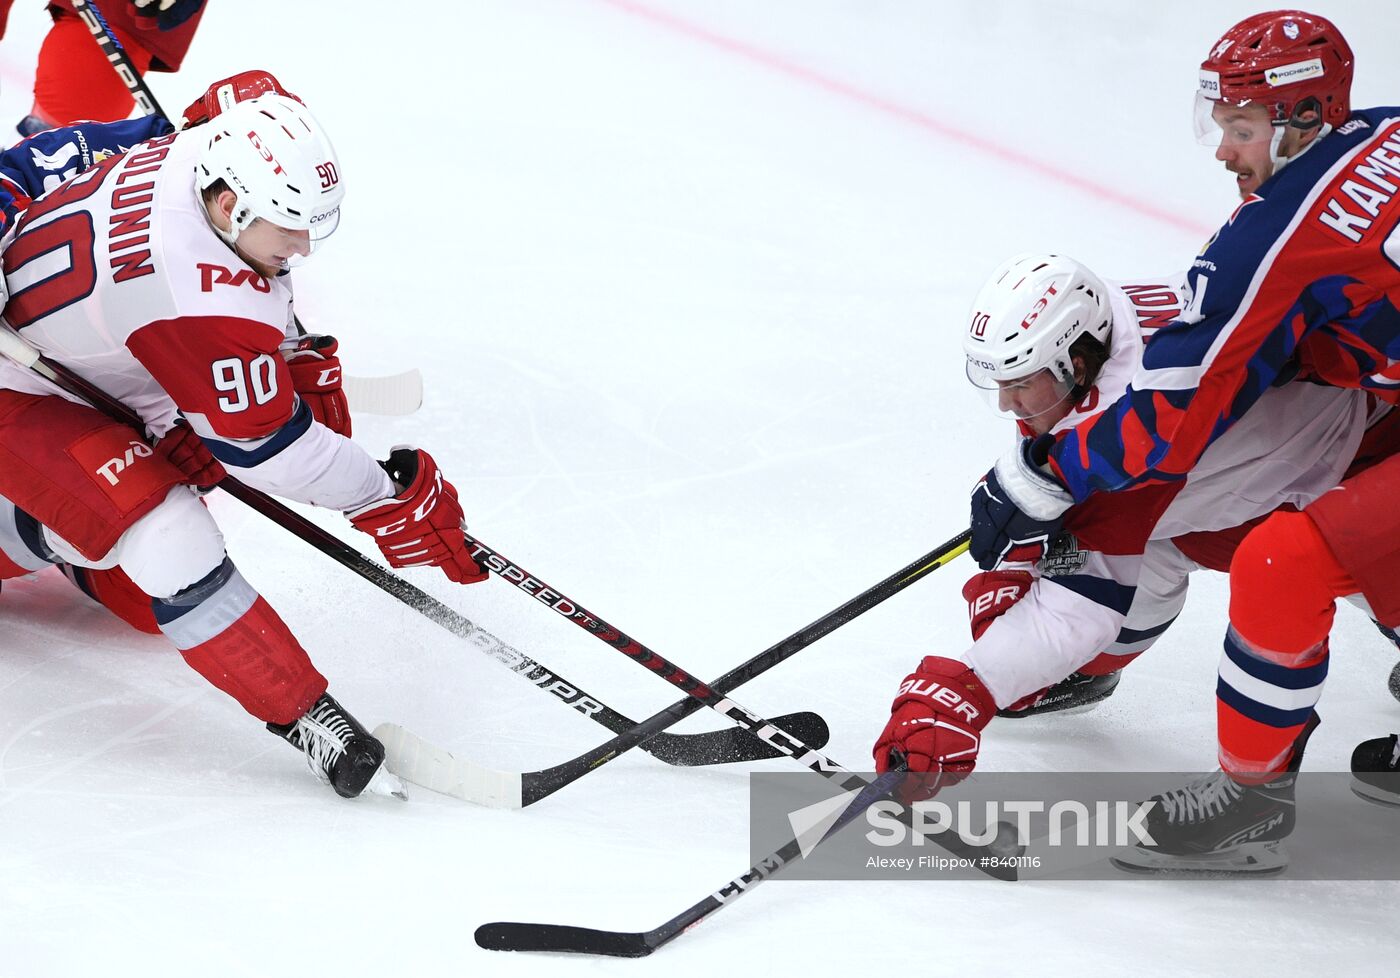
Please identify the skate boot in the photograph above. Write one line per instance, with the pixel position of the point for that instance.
(1375, 770)
(1217, 825)
(1393, 684)
(339, 751)
(1076, 692)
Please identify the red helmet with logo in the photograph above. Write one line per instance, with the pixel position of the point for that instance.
(1285, 60)
(227, 91)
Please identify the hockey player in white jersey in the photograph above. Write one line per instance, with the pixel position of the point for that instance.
(160, 277)
(1052, 343)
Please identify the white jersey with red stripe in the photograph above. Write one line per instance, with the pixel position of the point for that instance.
(119, 276)
(1119, 559)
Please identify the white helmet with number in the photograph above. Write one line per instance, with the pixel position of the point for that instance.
(274, 155)
(1028, 315)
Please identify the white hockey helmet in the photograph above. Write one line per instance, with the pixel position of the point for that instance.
(275, 157)
(1028, 315)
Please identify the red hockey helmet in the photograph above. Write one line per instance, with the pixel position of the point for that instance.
(1286, 60)
(227, 91)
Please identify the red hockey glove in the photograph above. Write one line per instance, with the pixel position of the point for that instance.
(229, 91)
(185, 450)
(991, 594)
(316, 378)
(935, 723)
(422, 525)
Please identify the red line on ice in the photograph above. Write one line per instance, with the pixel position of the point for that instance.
(904, 113)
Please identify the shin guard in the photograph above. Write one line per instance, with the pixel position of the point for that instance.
(233, 638)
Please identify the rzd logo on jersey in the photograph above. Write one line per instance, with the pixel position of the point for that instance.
(121, 467)
(212, 275)
(112, 468)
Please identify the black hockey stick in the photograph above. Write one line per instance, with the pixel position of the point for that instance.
(720, 746)
(566, 938)
(712, 696)
(415, 760)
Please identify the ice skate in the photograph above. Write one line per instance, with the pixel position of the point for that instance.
(339, 751)
(1375, 770)
(1076, 693)
(1215, 825)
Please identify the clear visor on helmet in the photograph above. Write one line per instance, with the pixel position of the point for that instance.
(1220, 121)
(1040, 399)
(286, 248)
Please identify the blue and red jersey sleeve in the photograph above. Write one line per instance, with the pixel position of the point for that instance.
(46, 159)
(1286, 286)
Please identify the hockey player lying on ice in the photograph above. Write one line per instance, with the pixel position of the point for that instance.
(1301, 280)
(1052, 343)
(172, 294)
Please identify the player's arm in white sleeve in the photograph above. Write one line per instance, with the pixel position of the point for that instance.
(1059, 625)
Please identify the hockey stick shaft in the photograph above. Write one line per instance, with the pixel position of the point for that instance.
(14, 347)
(116, 54)
(540, 784)
(562, 938)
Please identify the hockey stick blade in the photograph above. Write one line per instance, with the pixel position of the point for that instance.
(733, 745)
(393, 396)
(563, 939)
(425, 764)
(566, 938)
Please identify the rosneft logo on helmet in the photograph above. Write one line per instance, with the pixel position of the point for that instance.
(1296, 72)
(1039, 307)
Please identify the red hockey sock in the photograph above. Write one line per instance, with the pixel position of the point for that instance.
(74, 81)
(258, 662)
(1284, 582)
(118, 594)
(1105, 663)
(9, 569)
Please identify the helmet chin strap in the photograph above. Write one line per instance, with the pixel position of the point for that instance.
(230, 237)
(1276, 140)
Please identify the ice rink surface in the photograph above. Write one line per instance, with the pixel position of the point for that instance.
(686, 279)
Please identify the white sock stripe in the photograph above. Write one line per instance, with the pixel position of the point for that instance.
(1266, 693)
(213, 615)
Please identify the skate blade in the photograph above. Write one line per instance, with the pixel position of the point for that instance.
(1250, 859)
(387, 784)
(1374, 795)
